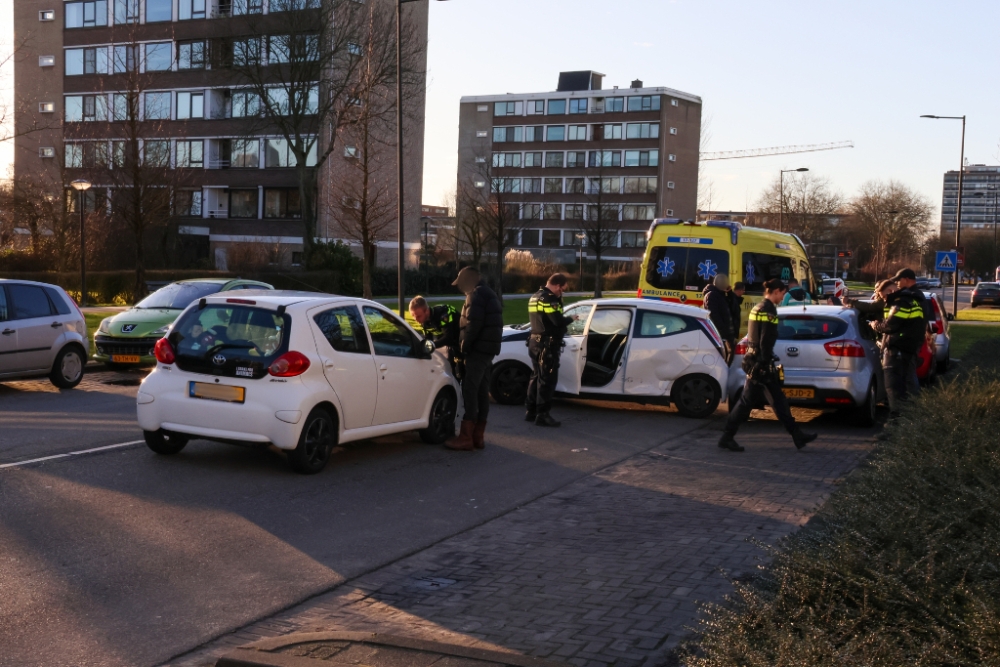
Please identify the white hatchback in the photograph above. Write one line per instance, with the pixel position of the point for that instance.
(641, 350)
(298, 370)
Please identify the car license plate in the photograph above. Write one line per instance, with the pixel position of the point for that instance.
(217, 392)
(125, 358)
(800, 393)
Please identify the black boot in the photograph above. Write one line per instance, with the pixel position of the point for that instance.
(545, 419)
(530, 413)
(727, 441)
(802, 439)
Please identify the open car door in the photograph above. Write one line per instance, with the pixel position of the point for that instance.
(574, 354)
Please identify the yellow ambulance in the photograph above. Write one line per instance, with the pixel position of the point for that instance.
(682, 257)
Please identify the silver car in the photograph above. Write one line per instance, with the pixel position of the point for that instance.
(42, 332)
(830, 360)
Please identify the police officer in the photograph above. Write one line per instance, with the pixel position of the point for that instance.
(763, 377)
(548, 326)
(903, 329)
(441, 325)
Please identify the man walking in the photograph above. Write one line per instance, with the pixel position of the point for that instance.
(717, 305)
(903, 329)
(441, 325)
(480, 335)
(763, 378)
(548, 327)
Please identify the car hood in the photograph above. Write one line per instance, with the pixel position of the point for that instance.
(142, 321)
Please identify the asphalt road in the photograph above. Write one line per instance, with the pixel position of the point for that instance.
(123, 557)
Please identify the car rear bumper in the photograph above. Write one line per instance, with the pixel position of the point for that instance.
(830, 390)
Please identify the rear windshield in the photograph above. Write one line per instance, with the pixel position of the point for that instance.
(810, 327)
(229, 340)
(684, 268)
(988, 285)
(178, 296)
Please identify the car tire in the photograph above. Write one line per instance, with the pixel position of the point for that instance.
(67, 369)
(441, 419)
(867, 414)
(164, 442)
(509, 383)
(316, 442)
(696, 396)
(943, 366)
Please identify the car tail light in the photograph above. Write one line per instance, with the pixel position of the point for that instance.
(838, 401)
(741, 347)
(164, 351)
(289, 365)
(845, 348)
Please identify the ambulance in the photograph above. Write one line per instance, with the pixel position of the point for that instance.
(682, 257)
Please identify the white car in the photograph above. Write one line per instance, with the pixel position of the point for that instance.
(298, 370)
(643, 350)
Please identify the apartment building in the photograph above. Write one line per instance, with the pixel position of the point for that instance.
(980, 197)
(563, 155)
(233, 179)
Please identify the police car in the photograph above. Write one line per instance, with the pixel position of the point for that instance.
(645, 350)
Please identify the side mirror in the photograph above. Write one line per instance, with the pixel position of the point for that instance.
(428, 347)
(950, 317)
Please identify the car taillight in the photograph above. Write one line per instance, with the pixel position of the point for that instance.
(164, 351)
(741, 347)
(289, 365)
(845, 348)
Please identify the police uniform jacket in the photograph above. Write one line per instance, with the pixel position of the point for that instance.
(762, 331)
(903, 327)
(443, 326)
(545, 312)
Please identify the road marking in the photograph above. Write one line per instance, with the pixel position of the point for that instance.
(69, 454)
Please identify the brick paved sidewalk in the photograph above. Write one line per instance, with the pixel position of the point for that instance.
(608, 570)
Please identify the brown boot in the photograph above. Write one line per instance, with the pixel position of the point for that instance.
(478, 434)
(463, 441)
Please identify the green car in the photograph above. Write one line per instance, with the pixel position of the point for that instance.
(129, 336)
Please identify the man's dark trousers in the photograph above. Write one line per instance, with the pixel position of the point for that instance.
(753, 391)
(900, 369)
(544, 375)
(476, 386)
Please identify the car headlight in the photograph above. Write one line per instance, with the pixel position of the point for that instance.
(105, 326)
(162, 331)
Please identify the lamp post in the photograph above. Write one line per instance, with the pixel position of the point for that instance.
(81, 186)
(958, 212)
(580, 238)
(781, 196)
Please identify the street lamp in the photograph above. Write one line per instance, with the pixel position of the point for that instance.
(781, 196)
(82, 185)
(399, 147)
(580, 238)
(958, 213)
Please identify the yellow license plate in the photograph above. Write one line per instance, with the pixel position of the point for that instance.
(800, 393)
(125, 358)
(217, 392)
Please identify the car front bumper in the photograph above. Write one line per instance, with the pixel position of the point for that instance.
(106, 347)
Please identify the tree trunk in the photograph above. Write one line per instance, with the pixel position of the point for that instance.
(597, 273)
(307, 199)
(367, 251)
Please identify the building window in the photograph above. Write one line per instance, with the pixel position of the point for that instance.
(191, 55)
(247, 52)
(532, 159)
(557, 107)
(553, 186)
(46, 107)
(483, 107)
(555, 133)
(159, 10)
(47, 15)
(482, 134)
(191, 9)
(80, 108)
(187, 202)
(670, 211)
(126, 11)
(532, 186)
(241, 7)
(190, 154)
(614, 105)
(479, 184)
(576, 159)
(46, 152)
(643, 131)
(573, 212)
(246, 104)
(508, 108)
(672, 158)
(551, 237)
(86, 14)
(670, 185)
(633, 239)
(552, 212)
(126, 58)
(612, 185)
(158, 57)
(577, 133)
(506, 185)
(282, 203)
(644, 103)
(93, 60)
(607, 212)
(611, 131)
(351, 152)
(673, 130)
(645, 185)
(277, 153)
(296, 259)
(605, 159)
(480, 159)
(575, 186)
(244, 153)
(638, 212)
(85, 154)
(190, 105)
(506, 159)
(578, 106)
(533, 133)
(508, 134)
(50, 61)
(156, 153)
(536, 107)
(554, 159)
(157, 106)
(531, 212)
(299, 48)
(642, 158)
(243, 203)
(674, 103)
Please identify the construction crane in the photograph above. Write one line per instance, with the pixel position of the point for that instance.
(777, 150)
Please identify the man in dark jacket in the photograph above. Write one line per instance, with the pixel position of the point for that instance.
(479, 338)
(548, 328)
(717, 305)
(903, 330)
(735, 299)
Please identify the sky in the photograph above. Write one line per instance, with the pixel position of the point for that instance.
(769, 72)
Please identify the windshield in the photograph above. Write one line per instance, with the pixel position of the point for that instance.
(809, 327)
(234, 341)
(178, 296)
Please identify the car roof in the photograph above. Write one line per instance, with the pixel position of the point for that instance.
(27, 282)
(830, 311)
(649, 304)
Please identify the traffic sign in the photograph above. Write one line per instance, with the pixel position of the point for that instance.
(946, 261)
(961, 256)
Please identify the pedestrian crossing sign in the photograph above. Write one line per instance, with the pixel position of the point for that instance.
(946, 261)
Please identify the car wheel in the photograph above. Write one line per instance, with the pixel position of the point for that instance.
(943, 366)
(696, 396)
(441, 420)
(867, 414)
(165, 442)
(509, 383)
(316, 441)
(67, 370)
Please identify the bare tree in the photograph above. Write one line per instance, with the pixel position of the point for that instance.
(706, 187)
(808, 204)
(601, 216)
(890, 220)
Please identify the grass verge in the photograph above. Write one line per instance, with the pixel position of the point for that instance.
(902, 565)
(978, 315)
(963, 337)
